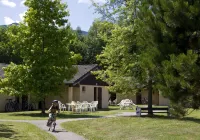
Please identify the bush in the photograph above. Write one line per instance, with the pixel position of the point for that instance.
(177, 110)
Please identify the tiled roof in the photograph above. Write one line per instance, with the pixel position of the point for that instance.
(82, 71)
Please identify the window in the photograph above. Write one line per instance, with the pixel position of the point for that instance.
(83, 88)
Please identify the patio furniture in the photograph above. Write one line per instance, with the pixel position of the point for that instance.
(140, 110)
(84, 106)
(62, 106)
(71, 105)
(114, 102)
(93, 106)
(78, 108)
(126, 103)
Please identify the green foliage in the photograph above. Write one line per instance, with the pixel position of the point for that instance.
(94, 43)
(178, 110)
(43, 41)
(151, 45)
(180, 80)
(6, 49)
(127, 65)
(88, 46)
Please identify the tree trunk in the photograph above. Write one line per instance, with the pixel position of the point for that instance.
(43, 106)
(150, 89)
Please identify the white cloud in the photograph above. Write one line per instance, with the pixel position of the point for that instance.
(8, 20)
(8, 3)
(21, 15)
(22, 3)
(89, 1)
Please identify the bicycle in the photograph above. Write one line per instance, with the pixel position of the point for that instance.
(12, 106)
(16, 106)
(52, 122)
(9, 106)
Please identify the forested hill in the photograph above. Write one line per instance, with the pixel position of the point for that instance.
(5, 26)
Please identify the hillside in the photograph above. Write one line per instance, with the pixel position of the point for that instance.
(5, 26)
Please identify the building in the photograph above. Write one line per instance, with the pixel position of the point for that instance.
(83, 87)
(142, 97)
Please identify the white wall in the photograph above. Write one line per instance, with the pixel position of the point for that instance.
(105, 97)
(163, 101)
(63, 98)
(88, 94)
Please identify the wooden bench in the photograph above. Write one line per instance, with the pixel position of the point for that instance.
(140, 110)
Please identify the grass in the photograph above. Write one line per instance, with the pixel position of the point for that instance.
(22, 131)
(140, 128)
(36, 115)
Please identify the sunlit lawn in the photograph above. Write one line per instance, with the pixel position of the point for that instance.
(140, 128)
(36, 115)
(22, 131)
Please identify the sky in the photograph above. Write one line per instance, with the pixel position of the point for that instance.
(82, 14)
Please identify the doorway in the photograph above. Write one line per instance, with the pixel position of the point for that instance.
(138, 98)
(98, 96)
(24, 102)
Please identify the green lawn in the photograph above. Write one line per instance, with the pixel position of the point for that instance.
(36, 115)
(22, 131)
(140, 128)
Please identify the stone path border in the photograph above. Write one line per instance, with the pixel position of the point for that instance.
(61, 133)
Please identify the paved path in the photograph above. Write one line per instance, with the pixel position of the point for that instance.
(61, 133)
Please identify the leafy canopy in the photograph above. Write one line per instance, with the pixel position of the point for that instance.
(43, 41)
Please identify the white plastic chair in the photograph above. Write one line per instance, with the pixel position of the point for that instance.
(63, 107)
(78, 108)
(84, 107)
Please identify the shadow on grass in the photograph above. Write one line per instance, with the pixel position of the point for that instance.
(191, 119)
(59, 116)
(6, 131)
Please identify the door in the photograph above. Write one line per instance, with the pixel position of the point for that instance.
(99, 97)
(24, 102)
(95, 93)
(138, 98)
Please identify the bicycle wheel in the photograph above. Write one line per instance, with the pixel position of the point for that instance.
(17, 106)
(53, 126)
(7, 107)
(30, 108)
(12, 106)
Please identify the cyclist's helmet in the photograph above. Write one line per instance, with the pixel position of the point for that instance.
(55, 101)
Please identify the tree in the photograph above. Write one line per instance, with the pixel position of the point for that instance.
(88, 46)
(180, 82)
(6, 50)
(94, 43)
(128, 66)
(156, 30)
(173, 28)
(43, 39)
(78, 46)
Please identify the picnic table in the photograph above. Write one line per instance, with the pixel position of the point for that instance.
(126, 103)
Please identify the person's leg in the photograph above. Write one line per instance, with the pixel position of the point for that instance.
(49, 120)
